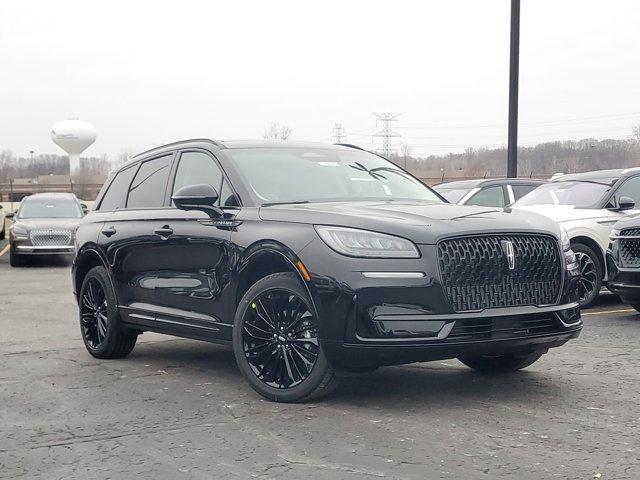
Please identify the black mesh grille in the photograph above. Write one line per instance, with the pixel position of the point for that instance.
(502, 327)
(630, 248)
(476, 275)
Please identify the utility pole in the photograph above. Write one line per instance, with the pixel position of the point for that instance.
(512, 148)
(338, 134)
(386, 133)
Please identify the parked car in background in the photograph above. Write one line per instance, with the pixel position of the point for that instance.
(623, 261)
(2, 223)
(311, 258)
(487, 193)
(587, 205)
(45, 224)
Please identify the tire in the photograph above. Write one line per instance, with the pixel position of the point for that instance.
(16, 260)
(2, 232)
(506, 363)
(591, 274)
(636, 306)
(275, 330)
(100, 324)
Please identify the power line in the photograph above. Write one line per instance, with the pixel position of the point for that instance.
(338, 134)
(386, 133)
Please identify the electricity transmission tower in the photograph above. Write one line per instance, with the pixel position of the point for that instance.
(338, 134)
(386, 133)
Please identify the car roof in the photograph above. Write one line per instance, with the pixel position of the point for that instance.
(602, 176)
(483, 182)
(51, 196)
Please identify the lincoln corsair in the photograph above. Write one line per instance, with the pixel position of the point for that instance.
(312, 260)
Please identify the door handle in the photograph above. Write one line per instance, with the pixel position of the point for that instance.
(107, 232)
(164, 231)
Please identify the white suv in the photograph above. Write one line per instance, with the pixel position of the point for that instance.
(587, 205)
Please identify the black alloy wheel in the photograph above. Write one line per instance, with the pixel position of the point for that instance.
(102, 331)
(591, 275)
(280, 338)
(93, 313)
(276, 341)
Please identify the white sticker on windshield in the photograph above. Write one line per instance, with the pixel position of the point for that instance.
(329, 164)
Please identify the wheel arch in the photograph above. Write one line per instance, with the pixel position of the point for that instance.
(265, 258)
(595, 246)
(86, 259)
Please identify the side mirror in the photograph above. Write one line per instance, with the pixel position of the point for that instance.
(201, 197)
(626, 203)
(84, 207)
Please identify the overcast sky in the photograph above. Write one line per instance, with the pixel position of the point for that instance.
(146, 73)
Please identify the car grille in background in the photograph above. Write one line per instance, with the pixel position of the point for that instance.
(630, 248)
(475, 273)
(44, 237)
(502, 327)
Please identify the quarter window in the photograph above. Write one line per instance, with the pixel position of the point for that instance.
(197, 168)
(149, 185)
(116, 193)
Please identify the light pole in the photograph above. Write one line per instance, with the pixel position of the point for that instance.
(514, 61)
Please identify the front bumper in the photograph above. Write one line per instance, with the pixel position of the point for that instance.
(624, 282)
(25, 249)
(368, 321)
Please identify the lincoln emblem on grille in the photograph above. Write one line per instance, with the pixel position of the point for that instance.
(507, 248)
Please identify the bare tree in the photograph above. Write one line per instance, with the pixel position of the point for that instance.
(405, 151)
(636, 132)
(124, 156)
(277, 132)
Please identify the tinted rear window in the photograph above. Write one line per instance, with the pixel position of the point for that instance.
(116, 194)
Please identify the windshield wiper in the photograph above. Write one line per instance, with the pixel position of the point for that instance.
(270, 204)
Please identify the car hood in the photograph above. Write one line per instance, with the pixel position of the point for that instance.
(49, 223)
(421, 222)
(562, 213)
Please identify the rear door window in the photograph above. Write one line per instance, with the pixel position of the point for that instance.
(150, 183)
(116, 194)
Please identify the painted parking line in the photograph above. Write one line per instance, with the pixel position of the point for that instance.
(4, 250)
(602, 312)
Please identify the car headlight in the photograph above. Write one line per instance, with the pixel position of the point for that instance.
(364, 243)
(19, 231)
(565, 240)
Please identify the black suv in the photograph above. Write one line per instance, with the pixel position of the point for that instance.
(623, 261)
(315, 259)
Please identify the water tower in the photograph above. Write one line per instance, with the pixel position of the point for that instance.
(74, 137)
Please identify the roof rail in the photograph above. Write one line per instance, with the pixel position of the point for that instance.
(349, 145)
(209, 140)
(631, 169)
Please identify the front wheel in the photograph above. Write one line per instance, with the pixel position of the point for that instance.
(16, 260)
(100, 324)
(275, 342)
(505, 363)
(591, 273)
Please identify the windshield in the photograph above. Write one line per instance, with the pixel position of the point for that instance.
(308, 174)
(575, 193)
(49, 209)
(452, 194)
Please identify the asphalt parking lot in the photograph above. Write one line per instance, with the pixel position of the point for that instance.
(180, 409)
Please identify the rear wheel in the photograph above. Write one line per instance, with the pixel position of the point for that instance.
(505, 363)
(591, 273)
(275, 342)
(100, 324)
